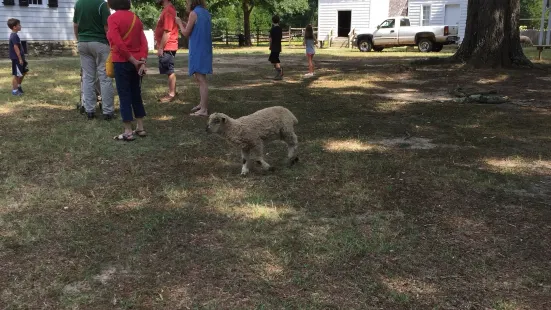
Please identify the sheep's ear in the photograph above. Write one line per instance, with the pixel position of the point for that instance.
(223, 120)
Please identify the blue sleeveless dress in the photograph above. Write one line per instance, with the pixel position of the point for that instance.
(200, 43)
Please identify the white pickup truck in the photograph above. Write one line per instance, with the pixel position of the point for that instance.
(396, 31)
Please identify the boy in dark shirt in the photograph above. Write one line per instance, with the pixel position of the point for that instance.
(276, 35)
(17, 56)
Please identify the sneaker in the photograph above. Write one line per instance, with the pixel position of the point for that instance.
(16, 93)
(108, 117)
(90, 115)
(309, 74)
(279, 76)
(20, 90)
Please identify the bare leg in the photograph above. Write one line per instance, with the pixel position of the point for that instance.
(127, 128)
(204, 92)
(15, 82)
(139, 124)
(172, 85)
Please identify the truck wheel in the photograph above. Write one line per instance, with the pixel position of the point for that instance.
(365, 45)
(437, 47)
(378, 48)
(425, 45)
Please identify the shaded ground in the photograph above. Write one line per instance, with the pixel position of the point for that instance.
(403, 199)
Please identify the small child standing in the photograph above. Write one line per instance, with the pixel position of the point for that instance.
(276, 34)
(17, 56)
(310, 42)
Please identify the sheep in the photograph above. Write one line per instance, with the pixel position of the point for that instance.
(526, 41)
(252, 131)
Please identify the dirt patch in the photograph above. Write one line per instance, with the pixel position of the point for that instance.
(76, 288)
(106, 275)
(411, 143)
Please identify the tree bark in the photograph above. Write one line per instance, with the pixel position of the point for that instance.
(492, 36)
(247, 9)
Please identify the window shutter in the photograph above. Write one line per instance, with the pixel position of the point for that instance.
(52, 3)
(9, 2)
(23, 2)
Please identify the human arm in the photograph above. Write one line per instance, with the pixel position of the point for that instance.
(18, 53)
(75, 30)
(105, 14)
(181, 24)
(190, 24)
(168, 20)
(75, 23)
(144, 50)
(161, 48)
(117, 43)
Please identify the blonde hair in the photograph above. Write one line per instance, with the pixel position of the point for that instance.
(192, 4)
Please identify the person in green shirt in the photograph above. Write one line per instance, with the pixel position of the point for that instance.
(90, 26)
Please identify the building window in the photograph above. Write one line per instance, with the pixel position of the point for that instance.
(425, 15)
(38, 2)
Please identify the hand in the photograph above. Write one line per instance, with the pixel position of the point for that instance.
(160, 52)
(136, 63)
(142, 71)
(179, 21)
(21, 61)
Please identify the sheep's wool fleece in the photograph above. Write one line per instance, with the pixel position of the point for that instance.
(266, 124)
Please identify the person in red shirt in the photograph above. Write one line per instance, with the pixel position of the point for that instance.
(129, 54)
(166, 42)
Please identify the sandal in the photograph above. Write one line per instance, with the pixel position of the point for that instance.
(199, 114)
(167, 99)
(140, 133)
(125, 137)
(195, 109)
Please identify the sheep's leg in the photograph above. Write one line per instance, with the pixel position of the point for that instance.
(292, 145)
(259, 157)
(247, 162)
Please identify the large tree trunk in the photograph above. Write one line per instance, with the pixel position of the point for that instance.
(492, 36)
(247, 9)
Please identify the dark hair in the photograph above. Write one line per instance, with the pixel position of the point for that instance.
(12, 22)
(192, 4)
(275, 19)
(118, 5)
(309, 32)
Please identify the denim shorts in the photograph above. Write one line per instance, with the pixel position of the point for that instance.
(166, 62)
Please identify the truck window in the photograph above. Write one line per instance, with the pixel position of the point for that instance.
(389, 23)
(404, 23)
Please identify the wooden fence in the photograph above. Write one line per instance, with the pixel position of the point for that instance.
(258, 37)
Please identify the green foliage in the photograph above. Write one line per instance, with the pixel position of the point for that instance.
(148, 14)
(530, 9)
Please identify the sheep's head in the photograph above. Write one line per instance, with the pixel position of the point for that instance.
(217, 122)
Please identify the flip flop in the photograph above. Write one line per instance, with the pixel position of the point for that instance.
(199, 114)
(125, 137)
(195, 109)
(140, 133)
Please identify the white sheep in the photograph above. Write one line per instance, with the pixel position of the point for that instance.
(251, 131)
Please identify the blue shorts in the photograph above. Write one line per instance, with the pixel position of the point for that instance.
(18, 69)
(166, 62)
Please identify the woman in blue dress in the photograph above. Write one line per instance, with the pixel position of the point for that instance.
(198, 30)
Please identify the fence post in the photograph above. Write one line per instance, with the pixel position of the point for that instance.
(227, 41)
(257, 36)
(290, 36)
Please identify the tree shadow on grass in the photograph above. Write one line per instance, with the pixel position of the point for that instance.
(166, 222)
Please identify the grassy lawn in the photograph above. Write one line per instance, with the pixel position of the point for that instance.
(403, 199)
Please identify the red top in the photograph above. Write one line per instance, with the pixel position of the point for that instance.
(167, 22)
(135, 43)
